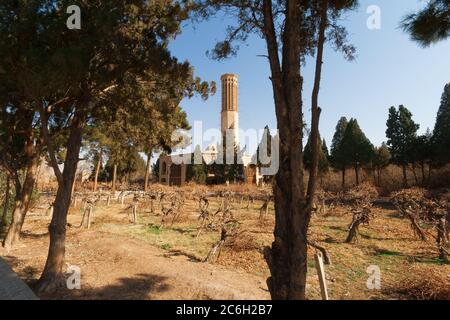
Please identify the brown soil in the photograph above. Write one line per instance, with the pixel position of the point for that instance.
(121, 260)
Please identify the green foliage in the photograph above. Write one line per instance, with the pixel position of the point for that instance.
(197, 172)
(263, 160)
(337, 157)
(166, 246)
(231, 172)
(441, 133)
(355, 148)
(156, 230)
(382, 157)
(132, 166)
(323, 156)
(155, 169)
(401, 133)
(422, 149)
(429, 25)
(6, 215)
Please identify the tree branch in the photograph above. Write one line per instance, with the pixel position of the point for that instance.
(49, 144)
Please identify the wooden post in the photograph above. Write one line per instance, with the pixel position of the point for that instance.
(89, 217)
(321, 274)
(122, 200)
(108, 200)
(135, 213)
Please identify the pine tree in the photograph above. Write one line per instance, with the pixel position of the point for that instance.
(422, 153)
(337, 161)
(197, 172)
(441, 133)
(401, 133)
(323, 156)
(381, 160)
(356, 150)
(429, 25)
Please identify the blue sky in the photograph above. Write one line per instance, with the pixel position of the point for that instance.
(389, 70)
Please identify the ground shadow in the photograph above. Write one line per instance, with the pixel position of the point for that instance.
(140, 287)
(29, 235)
(27, 274)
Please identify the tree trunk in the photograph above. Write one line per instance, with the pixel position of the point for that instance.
(114, 179)
(405, 176)
(287, 258)
(422, 167)
(147, 171)
(357, 174)
(343, 179)
(97, 169)
(23, 198)
(416, 179)
(4, 220)
(52, 277)
(315, 110)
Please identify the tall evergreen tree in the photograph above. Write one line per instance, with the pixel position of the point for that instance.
(336, 156)
(291, 29)
(356, 150)
(197, 172)
(381, 160)
(422, 153)
(401, 133)
(441, 133)
(323, 164)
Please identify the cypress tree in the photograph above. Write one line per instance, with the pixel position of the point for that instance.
(336, 156)
(356, 149)
(401, 133)
(441, 133)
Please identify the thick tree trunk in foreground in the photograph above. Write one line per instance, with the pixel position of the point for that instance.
(147, 172)
(52, 277)
(4, 221)
(287, 258)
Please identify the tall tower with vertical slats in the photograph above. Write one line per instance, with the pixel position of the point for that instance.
(230, 114)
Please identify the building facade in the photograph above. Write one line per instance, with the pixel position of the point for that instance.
(175, 174)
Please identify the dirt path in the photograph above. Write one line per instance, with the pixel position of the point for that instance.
(116, 267)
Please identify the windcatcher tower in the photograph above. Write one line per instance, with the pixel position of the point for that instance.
(230, 115)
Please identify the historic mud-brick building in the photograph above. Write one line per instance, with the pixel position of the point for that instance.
(175, 174)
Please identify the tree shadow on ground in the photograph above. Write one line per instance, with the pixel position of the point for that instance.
(29, 235)
(27, 274)
(417, 258)
(140, 287)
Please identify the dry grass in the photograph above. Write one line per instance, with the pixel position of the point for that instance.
(421, 284)
(410, 269)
